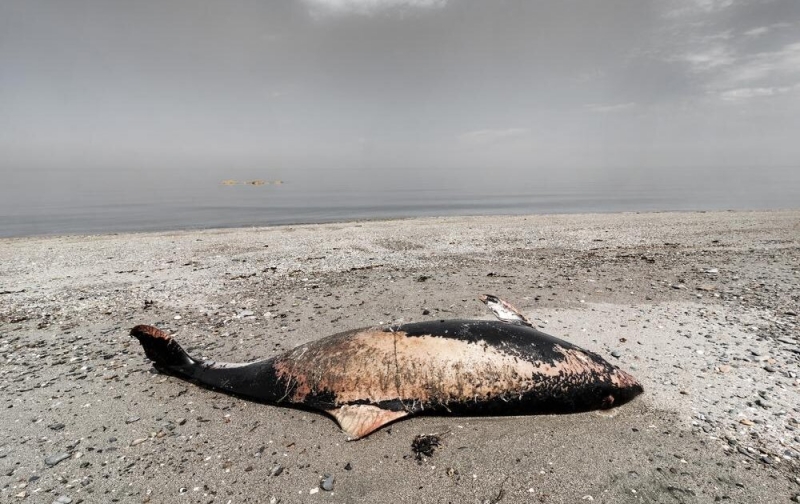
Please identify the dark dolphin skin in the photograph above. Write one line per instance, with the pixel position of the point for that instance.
(366, 378)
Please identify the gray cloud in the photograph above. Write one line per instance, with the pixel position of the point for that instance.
(313, 84)
(368, 7)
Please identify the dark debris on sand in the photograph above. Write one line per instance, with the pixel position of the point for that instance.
(424, 445)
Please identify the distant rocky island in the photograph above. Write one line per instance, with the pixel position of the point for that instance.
(256, 182)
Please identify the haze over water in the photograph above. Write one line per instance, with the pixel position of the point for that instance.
(127, 116)
(94, 201)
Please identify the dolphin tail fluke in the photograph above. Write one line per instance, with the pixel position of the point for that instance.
(166, 354)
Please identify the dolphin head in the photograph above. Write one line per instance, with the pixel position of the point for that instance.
(621, 388)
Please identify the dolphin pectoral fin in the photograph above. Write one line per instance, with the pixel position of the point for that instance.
(358, 420)
(505, 311)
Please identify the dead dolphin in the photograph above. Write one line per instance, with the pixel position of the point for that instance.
(366, 378)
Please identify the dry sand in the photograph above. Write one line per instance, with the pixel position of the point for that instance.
(701, 307)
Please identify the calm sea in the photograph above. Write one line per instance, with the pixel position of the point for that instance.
(35, 202)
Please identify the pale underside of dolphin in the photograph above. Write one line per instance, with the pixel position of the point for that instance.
(367, 378)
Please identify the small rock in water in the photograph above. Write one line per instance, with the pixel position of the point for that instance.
(327, 483)
(56, 458)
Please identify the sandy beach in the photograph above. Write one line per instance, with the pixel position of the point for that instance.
(701, 307)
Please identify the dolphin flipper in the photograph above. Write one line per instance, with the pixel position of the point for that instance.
(359, 420)
(505, 311)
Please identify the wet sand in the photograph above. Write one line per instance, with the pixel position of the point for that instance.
(701, 307)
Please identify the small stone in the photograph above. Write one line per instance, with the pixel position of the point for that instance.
(616, 354)
(62, 499)
(745, 421)
(313, 490)
(766, 459)
(131, 419)
(55, 458)
(177, 317)
(138, 441)
(276, 471)
(348, 467)
(426, 311)
(327, 483)
(769, 369)
(56, 426)
(181, 421)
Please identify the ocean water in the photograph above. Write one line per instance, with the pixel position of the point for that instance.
(90, 201)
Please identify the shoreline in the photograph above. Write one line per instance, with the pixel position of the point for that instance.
(238, 227)
(699, 306)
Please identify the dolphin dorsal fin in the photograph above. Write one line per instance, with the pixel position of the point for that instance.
(505, 311)
(358, 420)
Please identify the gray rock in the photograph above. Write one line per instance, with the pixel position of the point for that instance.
(327, 483)
(62, 499)
(55, 458)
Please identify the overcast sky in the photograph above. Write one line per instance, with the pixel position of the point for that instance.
(393, 84)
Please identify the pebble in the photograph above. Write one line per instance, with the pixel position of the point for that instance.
(616, 354)
(327, 483)
(769, 369)
(131, 419)
(276, 471)
(55, 458)
(62, 499)
(138, 441)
